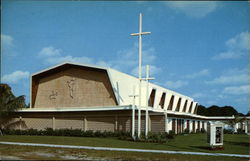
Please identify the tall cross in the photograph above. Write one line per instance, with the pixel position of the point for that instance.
(139, 70)
(133, 112)
(147, 80)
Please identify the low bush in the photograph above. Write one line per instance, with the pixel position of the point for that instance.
(203, 130)
(160, 137)
(228, 131)
(240, 131)
(186, 131)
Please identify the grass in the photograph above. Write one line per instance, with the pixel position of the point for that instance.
(233, 144)
(44, 153)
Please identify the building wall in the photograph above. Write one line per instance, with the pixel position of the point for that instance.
(73, 87)
(157, 123)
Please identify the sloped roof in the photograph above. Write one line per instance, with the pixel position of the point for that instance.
(123, 85)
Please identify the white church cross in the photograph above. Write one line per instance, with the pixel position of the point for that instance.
(133, 112)
(147, 79)
(139, 70)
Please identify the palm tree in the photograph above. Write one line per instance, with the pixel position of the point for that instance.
(8, 105)
(234, 121)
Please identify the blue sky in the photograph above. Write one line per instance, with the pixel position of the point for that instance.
(200, 49)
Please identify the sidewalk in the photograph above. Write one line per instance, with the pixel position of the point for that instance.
(125, 149)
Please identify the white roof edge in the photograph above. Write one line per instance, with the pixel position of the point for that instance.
(74, 109)
(124, 107)
(68, 62)
(155, 85)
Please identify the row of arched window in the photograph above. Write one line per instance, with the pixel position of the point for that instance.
(151, 101)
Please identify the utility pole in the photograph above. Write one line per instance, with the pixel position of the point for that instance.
(139, 70)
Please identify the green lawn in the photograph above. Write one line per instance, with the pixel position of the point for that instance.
(234, 144)
(13, 152)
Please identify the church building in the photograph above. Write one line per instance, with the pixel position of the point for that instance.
(88, 97)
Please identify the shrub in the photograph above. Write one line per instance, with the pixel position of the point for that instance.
(88, 133)
(228, 131)
(186, 131)
(203, 130)
(240, 131)
(48, 132)
(98, 133)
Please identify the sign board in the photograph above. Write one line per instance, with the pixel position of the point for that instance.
(215, 133)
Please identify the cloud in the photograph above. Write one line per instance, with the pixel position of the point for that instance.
(52, 55)
(196, 9)
(176, 84)
(6, 40)
(152, 71)
(204, 72)
(50, 51)
(129, 57)
(7, 45)
(237, 90)
(198, 95)
(126, 60)
(237, 47)
(61, 59)
(234, 76)
(211, 102)
(15, 77)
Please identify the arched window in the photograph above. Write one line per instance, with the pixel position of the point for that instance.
(196, 108)
(190, 107)
(162, 102)
(170, 106)
(151, 98)
(185, 106)
(178, 105)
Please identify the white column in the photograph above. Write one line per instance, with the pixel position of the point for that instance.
(149, 123)
(116, 123)
(246, 127)
(53, 123)
(20, 121)
(166, 122)
(85, 123)
(176, 124)
(133, 119)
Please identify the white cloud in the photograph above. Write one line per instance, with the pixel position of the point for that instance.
(176, 84)
(103, 63)
(237, 47)
(7, 45)
(211, 102)
(204, 72)
(15, 77)
(198, 95)
(233, 76)
(50, 51)
(237, 90)
(61, 59)
(196, 9)
(152, 71)
(52, 55)
(6, 41)
(126, 60)
(129, 57)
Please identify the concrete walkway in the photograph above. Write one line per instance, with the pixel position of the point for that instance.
(125, 149)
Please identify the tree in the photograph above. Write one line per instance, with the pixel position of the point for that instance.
(217, 111)
(234, 121)
(9, 104)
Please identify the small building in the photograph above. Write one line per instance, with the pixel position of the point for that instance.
(89, 97)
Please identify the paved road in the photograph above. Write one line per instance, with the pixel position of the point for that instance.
(125, 149)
